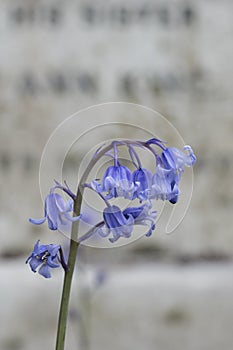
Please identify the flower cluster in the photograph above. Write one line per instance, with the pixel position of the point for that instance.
(118, 180)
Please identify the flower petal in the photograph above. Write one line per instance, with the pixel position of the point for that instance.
(44, 271)
(34, 263)
(51, 263)
(72, 218)
(37, 221)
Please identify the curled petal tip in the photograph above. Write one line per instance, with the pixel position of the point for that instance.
(37, 221)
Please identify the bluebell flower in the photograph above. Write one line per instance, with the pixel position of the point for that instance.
(117, 182)
(142, 215)
(115, 222)
(57, 211)
(121, 223)
(165, 185)
(45, 256)
(168, 173)
(175, 159)
(142, 179)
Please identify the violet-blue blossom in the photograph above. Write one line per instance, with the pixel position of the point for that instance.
(115, 222)
(142, 216)
(142, 179)
(168, 172)
(175, 159)
(57, 211)
(164, 185)
(117, 182)
(121, 223)
(45, 256)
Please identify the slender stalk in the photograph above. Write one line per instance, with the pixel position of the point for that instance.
(74, 244)
(62, 321)
(61, 330)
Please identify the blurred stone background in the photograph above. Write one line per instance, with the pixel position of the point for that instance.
(56, 57)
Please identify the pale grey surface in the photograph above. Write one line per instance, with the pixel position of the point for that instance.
(148, 306)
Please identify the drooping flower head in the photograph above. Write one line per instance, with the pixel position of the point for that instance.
(142, 216)
(117, 182)
(45, 256)
(170, 165)
(168, 172)
(57, 211)
(175, 159)
(164, 185)
(142, 179)
(121, 223)
(116, 223)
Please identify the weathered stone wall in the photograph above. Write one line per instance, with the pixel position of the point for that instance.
(171, 56)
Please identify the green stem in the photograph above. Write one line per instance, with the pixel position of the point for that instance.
(74, 244)
(62, 321)
(61, 330)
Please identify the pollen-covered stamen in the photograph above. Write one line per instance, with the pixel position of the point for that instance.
(45, 256)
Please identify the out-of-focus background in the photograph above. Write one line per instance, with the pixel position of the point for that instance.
(56, 57)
